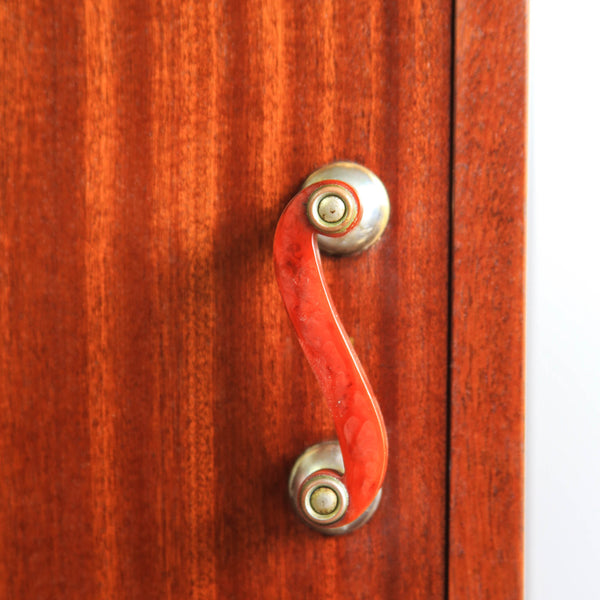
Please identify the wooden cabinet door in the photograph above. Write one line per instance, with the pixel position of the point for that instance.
(153, 395)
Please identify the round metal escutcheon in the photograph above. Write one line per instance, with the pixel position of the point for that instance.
(373, 199)
(308, 477)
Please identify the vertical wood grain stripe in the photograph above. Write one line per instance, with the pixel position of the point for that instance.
(417, 126)
(169, 394)
(486, 462)
(100, 136)
(44, 484)
(197, 188)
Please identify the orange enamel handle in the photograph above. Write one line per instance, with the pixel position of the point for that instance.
(358, 420)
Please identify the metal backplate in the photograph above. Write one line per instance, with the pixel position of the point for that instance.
(325, 456)
(373, 199)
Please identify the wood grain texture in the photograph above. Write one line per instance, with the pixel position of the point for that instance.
(153, 395)
(486, 462)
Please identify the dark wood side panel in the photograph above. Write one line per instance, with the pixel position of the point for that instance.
(486, 463)
(153, 396)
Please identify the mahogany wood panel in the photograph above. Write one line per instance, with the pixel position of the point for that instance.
(153, 396)
(486, 391)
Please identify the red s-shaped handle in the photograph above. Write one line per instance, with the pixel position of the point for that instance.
(330, 207)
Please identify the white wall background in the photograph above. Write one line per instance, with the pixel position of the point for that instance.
(562, 546)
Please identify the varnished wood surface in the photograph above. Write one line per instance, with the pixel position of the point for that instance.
(486, 392)
(153, 397)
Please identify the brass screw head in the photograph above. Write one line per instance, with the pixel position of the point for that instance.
(324, 500)
(332, 209)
